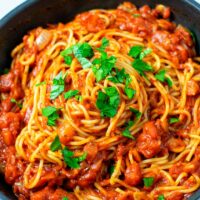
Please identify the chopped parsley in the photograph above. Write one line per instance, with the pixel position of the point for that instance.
(70, 94)
(137, 113)
(104, 44)
(111, 169)
(138, 54)
(58, 86)
(145, 53)
(135, 51)
(148, 181)
(119, 77)
(127, 133)
(161, 75)
(174, 120)
(71, 161)
(161, 197)
(162, 78)
(51, 113)
(108, 102)
(129, 91)
(103, 66)
(140, 66)
(81, 51)
(169, 81)
(65, 198)
(16, 102)
(41, 83)
(79, 98)
(56, 145)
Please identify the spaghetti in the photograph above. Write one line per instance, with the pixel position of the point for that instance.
(103, 107)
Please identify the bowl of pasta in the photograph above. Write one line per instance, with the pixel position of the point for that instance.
(100, 100)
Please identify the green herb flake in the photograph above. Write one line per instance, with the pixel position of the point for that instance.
(127, 133)
(70, 160)
(137, 113)
(169, 81)
(129, 92)
(58, 86)
(41, 83)
(79, 98)
(161, 197)
(51, 113)
(135, 51)
(111, 169)
(82, 158)
(161, 75)
(56, 145)
(65, 198)
(140, 66)
(16, 102)
(70, 94)
(174, 120)
(119, 77)
(145, 53)
(108, 102)
(103, 66)
(104, 44)
(81, 52)
(148, 181)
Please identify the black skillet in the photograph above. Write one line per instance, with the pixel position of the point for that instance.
(34, 13)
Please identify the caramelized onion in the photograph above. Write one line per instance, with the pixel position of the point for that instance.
(43, 39)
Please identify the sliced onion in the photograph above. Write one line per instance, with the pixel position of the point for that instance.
(43, 39)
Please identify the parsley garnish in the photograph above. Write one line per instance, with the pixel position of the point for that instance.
(140, 66)
(119, 77)
(103, 66)
(169, 81)
(17, 103)
(148, 181)
(138, 52)
(127, 133)
(145, 53)
(108, 102)
(81, 52)
(70, 160)
(58, 86)
(65, 198)
(174, 120)
(79, 98)
(111, 169)
(51, 113)
(129, 91)
(161, 77)
(137, 113)
(70, 94)
(56, 145)
(135, 51)
(104, 44)
(161, 197)
(41, 83)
